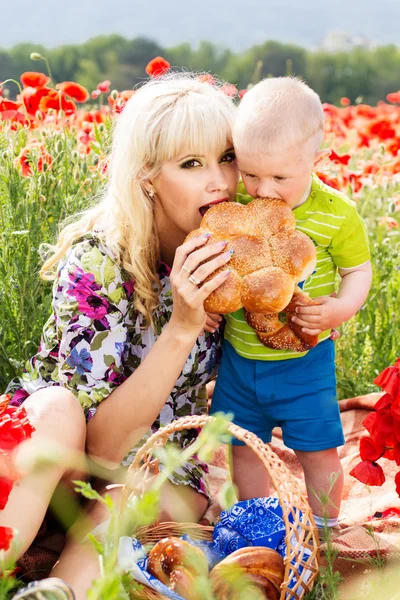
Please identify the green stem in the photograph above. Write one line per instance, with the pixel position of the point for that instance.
(48, 68)
(17, 83)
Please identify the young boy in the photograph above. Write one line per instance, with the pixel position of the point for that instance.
(277, 136)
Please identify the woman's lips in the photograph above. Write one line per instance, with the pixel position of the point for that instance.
(204, 209)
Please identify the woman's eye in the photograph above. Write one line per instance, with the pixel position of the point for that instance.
(279, 178)
(189, 164)
(250, 176)
(229, 157)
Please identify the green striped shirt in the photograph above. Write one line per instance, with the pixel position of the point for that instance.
(339, 234)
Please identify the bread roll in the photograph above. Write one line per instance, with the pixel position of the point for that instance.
(260, 566)
(178, 565)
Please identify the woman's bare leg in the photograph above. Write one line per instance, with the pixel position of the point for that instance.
(79, 563)
(59, 421)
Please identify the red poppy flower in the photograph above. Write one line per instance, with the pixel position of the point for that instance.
(397, 482)
(158, 66)
(384, 402)
(389, 379)
(389, 454)
(383, 129)
(104, 86)
(396, 453)
(15, 426)
(370, 450)
(343, 159)
(56, 101)
(4, 402)
(229, 89)
(14, 116)
(206, 78)
(368, 472)
(74, 90)
(380, 426)
(395, 408)
(95, 94)
(394, 97)
(118, 103)
(34, 79)
(5, 490)
(9, 105)
(31, 97)
(364, 140)
(388, 222)
(386, 514)
(6, 536)
(355, 181)
(331, 181)
(24, 158)
(330, 109)
(345, 101)
(396, 430)
(394, 147)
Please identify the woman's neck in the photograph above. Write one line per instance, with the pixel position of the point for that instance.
(169, 242)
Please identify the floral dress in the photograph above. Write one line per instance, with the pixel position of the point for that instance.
(95, 339)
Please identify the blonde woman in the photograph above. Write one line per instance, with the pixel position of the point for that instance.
(126, 340)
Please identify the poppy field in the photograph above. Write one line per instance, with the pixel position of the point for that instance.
(54, 142)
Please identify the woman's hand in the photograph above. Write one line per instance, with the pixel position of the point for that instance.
(193, 263)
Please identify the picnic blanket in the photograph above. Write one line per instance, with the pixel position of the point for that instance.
(369, 522)
(364, 510)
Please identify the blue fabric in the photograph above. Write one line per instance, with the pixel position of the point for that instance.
(297, 395)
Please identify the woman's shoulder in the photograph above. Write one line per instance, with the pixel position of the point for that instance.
(90, 257)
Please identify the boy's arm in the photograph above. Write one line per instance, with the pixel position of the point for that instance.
(332, 311)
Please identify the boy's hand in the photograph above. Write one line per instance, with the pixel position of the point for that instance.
(213, 321)
(335, 335)
(327, 314)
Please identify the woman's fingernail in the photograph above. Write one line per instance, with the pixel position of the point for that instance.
(222, 244)
(228, 254)
(226, 273)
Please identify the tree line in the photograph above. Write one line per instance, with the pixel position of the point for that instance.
(362, 75)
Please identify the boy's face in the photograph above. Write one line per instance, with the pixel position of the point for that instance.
(283, 174)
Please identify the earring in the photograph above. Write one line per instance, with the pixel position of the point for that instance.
(151, 193)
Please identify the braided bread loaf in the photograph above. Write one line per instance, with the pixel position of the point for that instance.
(269, 258)
(262, 567)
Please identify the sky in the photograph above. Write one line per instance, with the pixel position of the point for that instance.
(236, 24)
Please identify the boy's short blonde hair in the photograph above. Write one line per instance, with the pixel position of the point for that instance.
(278, 112)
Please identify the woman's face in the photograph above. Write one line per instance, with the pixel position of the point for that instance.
(187, 185)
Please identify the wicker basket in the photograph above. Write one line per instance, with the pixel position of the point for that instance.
(300, 534)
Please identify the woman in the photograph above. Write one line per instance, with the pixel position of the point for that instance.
(126, 339)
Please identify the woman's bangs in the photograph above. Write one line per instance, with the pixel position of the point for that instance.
(197, 129)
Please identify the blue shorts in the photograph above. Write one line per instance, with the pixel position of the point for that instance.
(298, 395)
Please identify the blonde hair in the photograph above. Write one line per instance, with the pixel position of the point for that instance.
(164, 118)
(279, 111)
